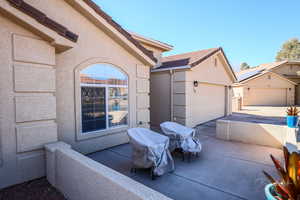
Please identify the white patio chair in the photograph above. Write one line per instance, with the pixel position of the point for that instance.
(150, 150)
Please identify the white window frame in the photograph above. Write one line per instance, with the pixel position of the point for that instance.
(78, 118)
(106, 86)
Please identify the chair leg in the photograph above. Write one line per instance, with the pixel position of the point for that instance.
(133, 170)
(152, 173)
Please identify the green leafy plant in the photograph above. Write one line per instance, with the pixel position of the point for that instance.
(288, 187)
(292, 111)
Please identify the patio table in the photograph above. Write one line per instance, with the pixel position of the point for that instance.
(182, 139)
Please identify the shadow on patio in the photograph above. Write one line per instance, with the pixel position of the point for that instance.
(224, 170)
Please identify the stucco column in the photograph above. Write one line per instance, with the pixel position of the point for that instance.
(291, 140)
(51, 160)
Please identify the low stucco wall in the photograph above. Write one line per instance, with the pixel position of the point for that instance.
(255, 133)
(236, 104)
(79, 177)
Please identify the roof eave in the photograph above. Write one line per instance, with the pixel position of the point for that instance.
(151, 42)
(263, 73)
(226, 60)
(60, 43)
(89, 9)
(228, 63)
(171, 68)
(293, 62)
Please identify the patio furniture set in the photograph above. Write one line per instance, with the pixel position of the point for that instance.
(152, 150)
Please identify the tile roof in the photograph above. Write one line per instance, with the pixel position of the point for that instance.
(142, 39)
(119, 28)
(43, 19)
(191, 58)
(63, 31)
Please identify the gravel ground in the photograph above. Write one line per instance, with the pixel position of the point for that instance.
(39, 189)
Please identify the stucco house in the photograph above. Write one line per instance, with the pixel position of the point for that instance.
(68, 72)
(191, 88)
(272, 84)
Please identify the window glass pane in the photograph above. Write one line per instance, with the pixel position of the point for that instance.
(93, 108)
(117, 106)
(101, 110)
(103, 74)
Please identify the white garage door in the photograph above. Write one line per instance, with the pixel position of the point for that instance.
(208, 103)
(262, 96)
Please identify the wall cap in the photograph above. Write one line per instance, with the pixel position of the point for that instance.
(52, 147)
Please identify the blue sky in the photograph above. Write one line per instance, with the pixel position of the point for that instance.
(249, 31)
(103, 72)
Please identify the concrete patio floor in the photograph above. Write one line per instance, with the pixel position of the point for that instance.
(224, 170)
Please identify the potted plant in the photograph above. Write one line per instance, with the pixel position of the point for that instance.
(292, 117)
(288, 187)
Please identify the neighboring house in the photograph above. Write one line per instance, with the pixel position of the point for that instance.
(173, 94)
(273, 84)
(191, 88)
(68, 72)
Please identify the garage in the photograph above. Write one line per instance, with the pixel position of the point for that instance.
(193, 87)
(208, 103)
(268, 96)
(266, 89)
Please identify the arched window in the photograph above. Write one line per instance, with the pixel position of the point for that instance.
(104, 98)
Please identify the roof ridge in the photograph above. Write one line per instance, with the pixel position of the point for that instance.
(192, 52)
(148, 38)
(119, 28)
(190, 58)
(194, 60)
(261, 66)
(283, 61)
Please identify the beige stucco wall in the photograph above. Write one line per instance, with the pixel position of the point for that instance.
(236, 104)
(275, 89)
(79, 177)
(253, 133)
(160, 98)
(39, 103)
(210, 100)
(192, 105)
(180, 97)
(238, 91)
(287, 69)
(206, 71)
(27, 103)
(292, 71)
(157, 52)
(93, 46)
(273, 84)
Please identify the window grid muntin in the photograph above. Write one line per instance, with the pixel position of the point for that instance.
(122, 82)
(106, 106)
(91, 108)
